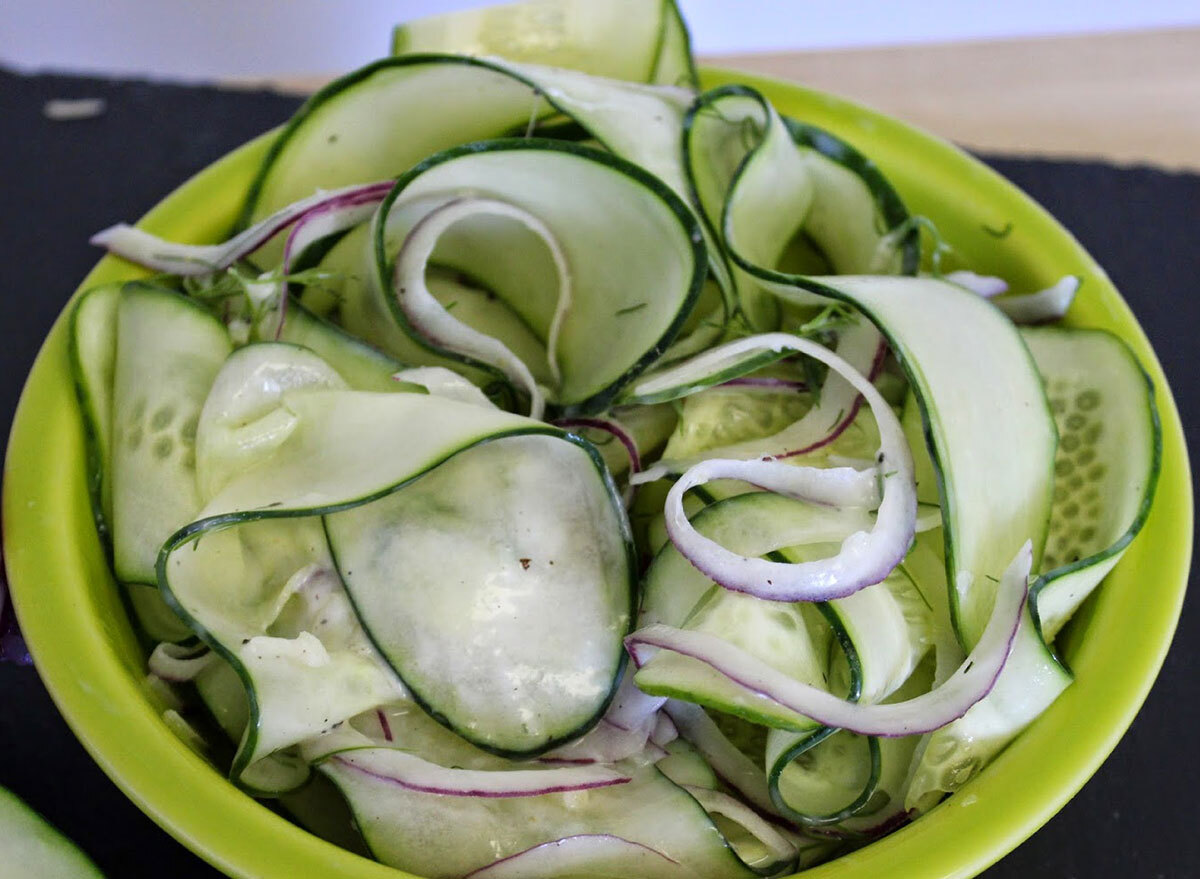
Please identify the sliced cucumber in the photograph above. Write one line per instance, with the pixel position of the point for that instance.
(852, 782)
(840, 209)
(1032, 679)
(168, 352)
(33, 849)
(638, 40)
(796, 638)
(684, 765)
(345, 133)
(992, 500)
(262, 531)
(503, 611)
(449, 836)
(361, 366)
(823, 778)
(93, 363)
(675, 64)
(225, 696)
(1106, 468)
(633, 255)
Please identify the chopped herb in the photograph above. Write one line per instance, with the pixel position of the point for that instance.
(1002, 232)
(993, 579)
(449, 305)
(631, 309)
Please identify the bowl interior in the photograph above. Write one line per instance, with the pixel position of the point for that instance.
(91, 662)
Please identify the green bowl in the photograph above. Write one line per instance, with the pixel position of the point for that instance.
(89, 659)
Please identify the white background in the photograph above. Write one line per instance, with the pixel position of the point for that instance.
(208, 39)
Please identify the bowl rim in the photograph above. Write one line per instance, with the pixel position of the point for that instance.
(85, 653)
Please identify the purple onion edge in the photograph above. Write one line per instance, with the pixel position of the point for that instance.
(635, 458)
(482, 794)
(367, 194)
(632, 643)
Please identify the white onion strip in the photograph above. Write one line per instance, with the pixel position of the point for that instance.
(431, 319)
(177, 664)
(413, 773)
(576, 854)
(606, 742)
(143, 248)
(1042, 307)
(715, 802)
(734, 767)
(664, 732)
(623, 731)
(972, 681)
(865, 557)
(986, 286)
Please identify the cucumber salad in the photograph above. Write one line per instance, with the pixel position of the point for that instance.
(562, 471)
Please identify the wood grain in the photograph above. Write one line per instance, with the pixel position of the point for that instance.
(1127, 98)
(1131, 97)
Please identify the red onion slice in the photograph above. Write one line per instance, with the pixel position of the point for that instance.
(143, 248)
(328, 218)
(413, 773)
(865, 557)
(765, 383)
(584, 853)
(431, 319)
(972, 681)
(731, 765)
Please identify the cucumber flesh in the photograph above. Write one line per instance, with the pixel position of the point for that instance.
(345, 134)
(992, 500)
(612, 329)
(33, 849)
(1106, 468)
(93, 363)
(361, 366)
(840, 209)
(636, 40)
(263, 532)
(516, 642)
(168, 352)
(1031, 680)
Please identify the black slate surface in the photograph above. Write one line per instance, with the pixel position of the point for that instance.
(61, 181)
